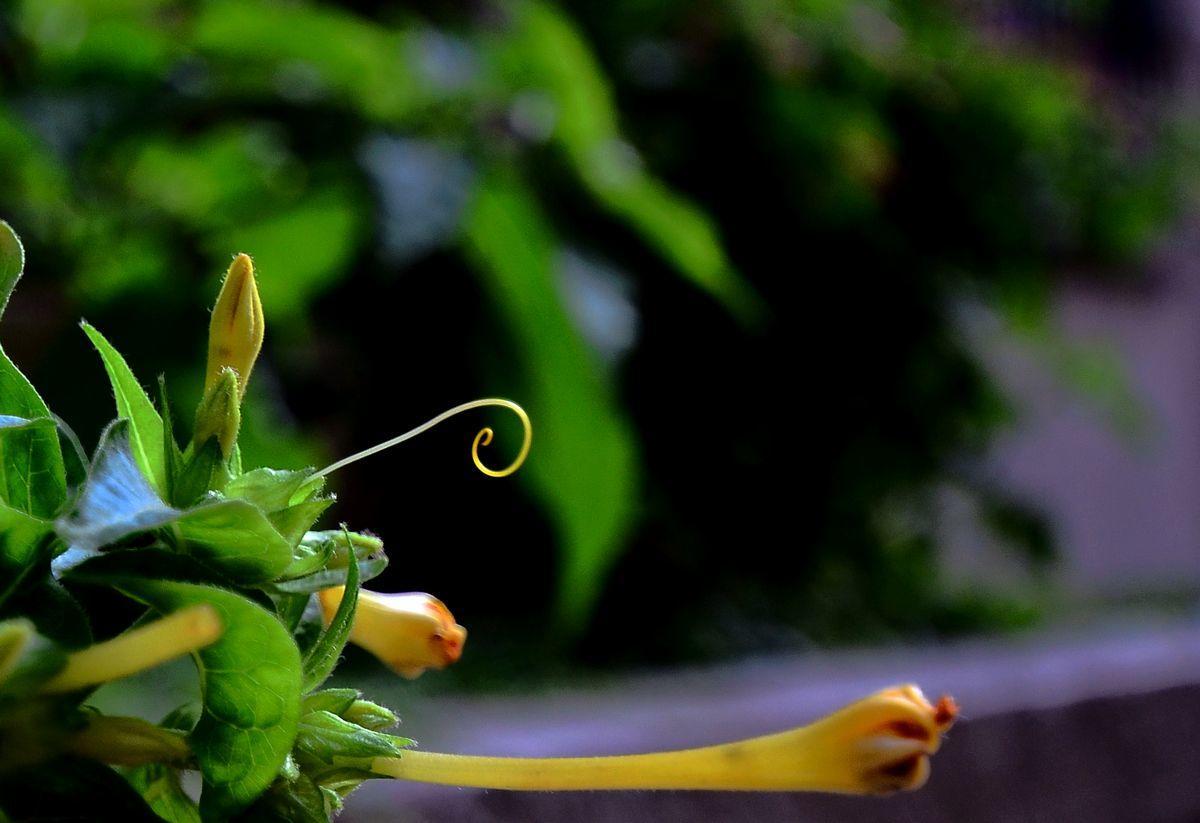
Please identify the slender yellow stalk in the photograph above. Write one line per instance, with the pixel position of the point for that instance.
(878, 745)
(128, 741)
(142, 648)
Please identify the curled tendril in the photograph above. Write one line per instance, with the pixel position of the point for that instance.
(483, 438)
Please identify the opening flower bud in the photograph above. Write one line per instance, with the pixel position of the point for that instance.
(409, 633)
(877, 745)
(235, 333)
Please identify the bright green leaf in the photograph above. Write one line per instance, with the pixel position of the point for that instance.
(272, 489)
(235, 537)
(32, 476)
(133, 404)
(159, 786)
(295, 521)
(230, 536)
(12, 263)
(251, 687)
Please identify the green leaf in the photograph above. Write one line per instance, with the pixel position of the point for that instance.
(133, 404)
(12, 263)
(235, 537)
(32, 476)
(20, 537)
(322, 658)
(274, 489)
(545, 51)
(231, 536)
(160, 787)
(586, 466)
(295, 521)
(251, 686)
(19, 438)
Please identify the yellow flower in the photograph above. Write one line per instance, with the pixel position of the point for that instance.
(235, 333)
(408, 632)
(177, 634)
(877, 745)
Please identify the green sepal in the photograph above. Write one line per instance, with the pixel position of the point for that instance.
(327, 741)
(330, 700)
(370, 715)
(328, 578)
(219, 415)
(322, 658)
(204, 469)
(172, 455)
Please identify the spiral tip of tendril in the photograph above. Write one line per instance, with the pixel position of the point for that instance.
(484, 438)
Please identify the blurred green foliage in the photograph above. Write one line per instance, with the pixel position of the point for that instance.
(801, 193)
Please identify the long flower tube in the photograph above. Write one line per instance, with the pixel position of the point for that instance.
(877, 745)
(138, 649)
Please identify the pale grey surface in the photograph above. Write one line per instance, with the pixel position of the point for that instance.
(1108, 725)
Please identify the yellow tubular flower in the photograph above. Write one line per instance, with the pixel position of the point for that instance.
(878, 745)
(409, 633)
(235, 333)
(142, 648)
(128, 741)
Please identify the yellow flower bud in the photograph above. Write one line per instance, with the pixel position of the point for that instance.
(877, 745)
(235, 333)
(409, 633)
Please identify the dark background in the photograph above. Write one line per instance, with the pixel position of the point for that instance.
(734, 258)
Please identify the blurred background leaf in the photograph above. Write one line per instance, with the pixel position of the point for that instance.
(722, 251)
